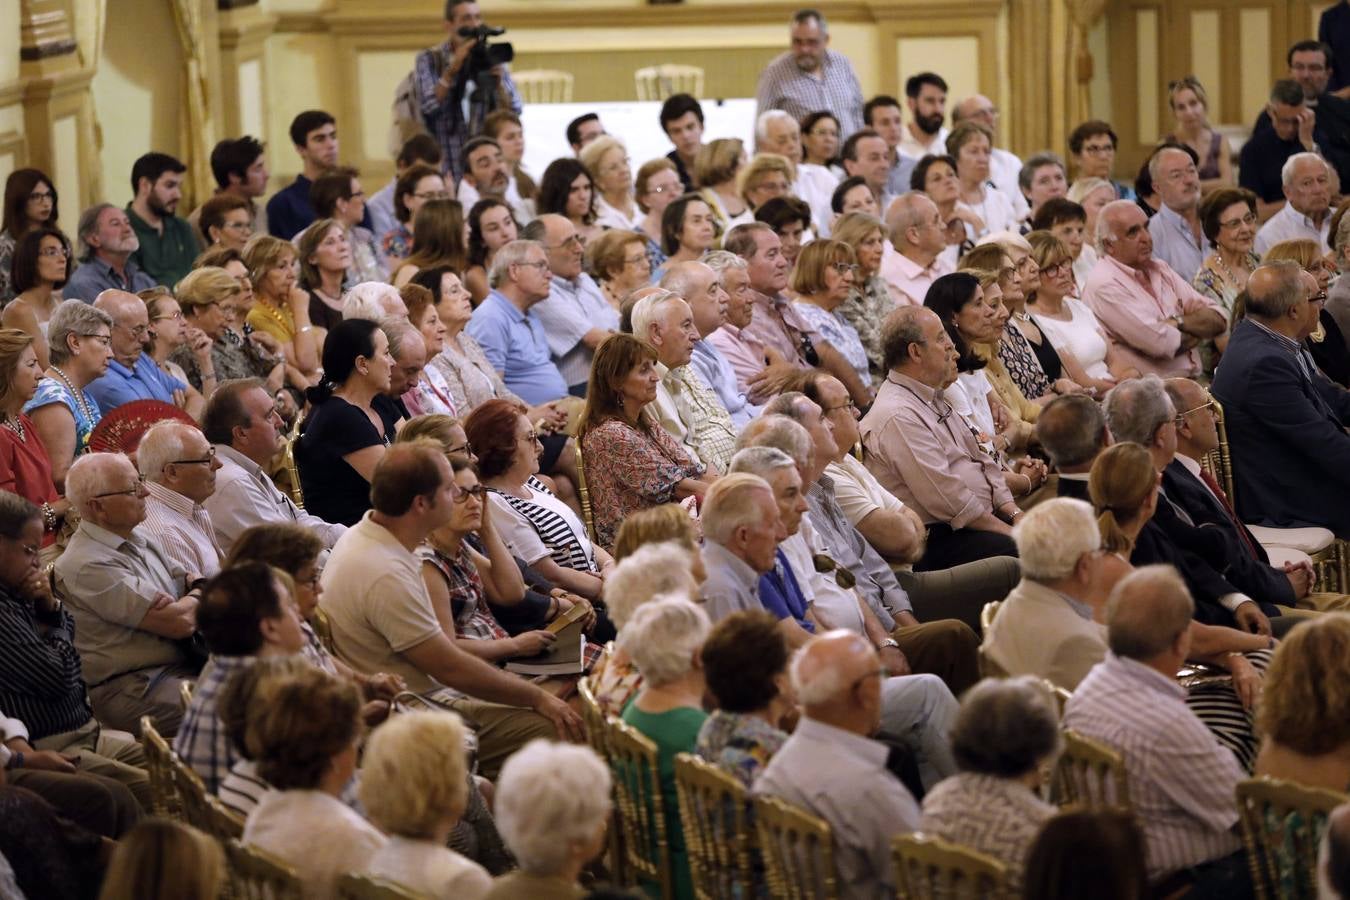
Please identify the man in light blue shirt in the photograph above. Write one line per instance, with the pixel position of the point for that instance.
(505, 326)
(576, 316)
(132, 374)
(701, 287)
(1177, 237)
(107, 243)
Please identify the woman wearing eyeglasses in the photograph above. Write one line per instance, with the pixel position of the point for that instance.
(25, 468)
(823, 278)
(40, 269)
(606, 159)
(30, 202)
(1190, 108)
(658, 184)
(619, 263)
(80, 345)
(536, 525)
(226, 220)
(170, 333)
(415, 187)
(1228, 219)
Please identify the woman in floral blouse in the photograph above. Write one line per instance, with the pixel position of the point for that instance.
(824, 276)
(870, 301)
(631, 463)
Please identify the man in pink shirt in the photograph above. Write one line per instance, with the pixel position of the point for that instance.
(910, 262)
(1151, 316)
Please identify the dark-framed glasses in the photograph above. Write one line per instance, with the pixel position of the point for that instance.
(133, 491)
(206, 460)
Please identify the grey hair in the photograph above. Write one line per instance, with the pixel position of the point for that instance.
(781, 433)
(1053, 536)
(1036, 161)
(761, 461)
(1070, 430)
(816, 684)
(1290, 164)
(399, 332)
(679, 278)
(365, 301)
(72, 317)
(904, 212)
(900, 330)
(721, 260)
(1137, 408)
(512, 254)
(1081, 187)
(731, 504)
(772, 115)
(1155, 166)
(787, 404)
(86, 227)
(1106, 229)
(89, 474)
(1005, 728)
(648, 311)
(549, 797)
(1147, 610)
(650, 571)
(1287, 294)
(663, 637)
(163, 443)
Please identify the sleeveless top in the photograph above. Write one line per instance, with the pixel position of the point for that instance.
(1024, 364)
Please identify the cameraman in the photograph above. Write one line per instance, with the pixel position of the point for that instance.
(454, 97)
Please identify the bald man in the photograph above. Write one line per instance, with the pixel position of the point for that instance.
(832, 767)
(1286, 421)
(1150, 314)
(132, 374)
(575, 314)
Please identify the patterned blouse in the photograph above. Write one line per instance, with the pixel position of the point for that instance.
(738, 743)
(7, 245)
(865, 310)
(397, 244)
(628, 469)
(51, 390)
(468, 601)
(232, 357)
(1211, 282)
(1020, 360)
(836, 329)
(468, 374)
(996, 816)
(615, 682)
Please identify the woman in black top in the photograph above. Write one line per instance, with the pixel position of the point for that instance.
(344, 435)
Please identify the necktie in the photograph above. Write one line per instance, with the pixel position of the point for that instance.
(1219, 495)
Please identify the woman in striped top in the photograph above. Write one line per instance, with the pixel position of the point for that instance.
(537, 526)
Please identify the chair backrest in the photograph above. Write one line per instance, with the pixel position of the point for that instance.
(185, 694)
(798, 851)
(929, 868)
(988, 613)
(989, 668)
(659, 82)
(200, 809)
(1061, 695)
(368, 887)
(159, 761)
(714, 814)
(593, 716)
(544, 85)
(288, 477)
(257, 875)
(583, 493)
(635, 764)
(1219, 461)
(1090, 774)
(1282, 825)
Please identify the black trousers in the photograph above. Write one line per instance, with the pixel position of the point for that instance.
(948, 547)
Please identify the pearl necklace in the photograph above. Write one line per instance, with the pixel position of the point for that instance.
(75, 392)
(14, 425)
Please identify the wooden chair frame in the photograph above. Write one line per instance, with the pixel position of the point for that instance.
(258, 875)
(584, 493)
(634, 762)
(544, 85)
(929, 868)
(159, 764)
(367, 887)
(659, 82)
(714, 814)
(798, 851)
(1091, 774)
(200, 809)
(597, 737)
(1283, 822)
(988, 667)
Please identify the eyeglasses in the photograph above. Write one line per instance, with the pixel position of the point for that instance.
(1099, 149)
(462, 494)
(529, 438)
(239, 226)
(178, 314)
(129, 492)
(635, 260)
(204, 461)
(662, 189)
(464, 449)
(1319, 297)
(541, 265)
(433, 195)
(843, 268)
(310, 582)
(104, 339)
(847, 404)
(1248, 219)
(139, 330)
(1056, 268)
(573, 239)
(54, 251)
(39, 196)
(1208, 406)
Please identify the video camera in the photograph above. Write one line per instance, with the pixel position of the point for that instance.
(484, 55)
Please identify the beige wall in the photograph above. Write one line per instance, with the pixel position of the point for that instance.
(11, 106)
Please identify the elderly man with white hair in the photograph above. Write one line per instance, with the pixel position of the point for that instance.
(1177, 236)
(832, 768)
(913, 258)
(1182, 782)
(1307, 180)
(373, 300)
(133, 605)
(132, 374)
(1151, 315)
(685, 406)
(552, 808)
(179, 467)
(778, 132)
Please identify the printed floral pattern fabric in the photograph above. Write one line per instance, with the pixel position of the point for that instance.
(628, 469)
(739, 744)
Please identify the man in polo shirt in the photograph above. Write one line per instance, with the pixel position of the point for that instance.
(132, 374)
(107, 244)
(1175, 230)
(168, 243)
(512, 337)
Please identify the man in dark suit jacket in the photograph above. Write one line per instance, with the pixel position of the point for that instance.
(1286, 421)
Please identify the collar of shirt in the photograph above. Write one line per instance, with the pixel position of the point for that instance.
(116, 542)
(1146, 678)
(1084, 611)
(229, 454)
(717, 556)
(1284, 341)
(1141, 275)
(128, 373)
(129, 268)
(1303, 220)
(924, 392)
(509, 307)
(376, 532)
(1188, 464)
(173, 500)
(864, 748)
(1174, 221)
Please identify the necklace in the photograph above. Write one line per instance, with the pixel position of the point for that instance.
(75, 392)
(14, 425)
(283, 318)
(1226, 272)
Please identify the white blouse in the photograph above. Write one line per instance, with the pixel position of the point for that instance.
(435, 871)
(1079, 335)
(314, 833)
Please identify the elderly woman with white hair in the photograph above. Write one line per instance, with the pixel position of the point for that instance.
(1005, 734)
(664, 638)
(373, 300)
(414, 786)
(553, 806)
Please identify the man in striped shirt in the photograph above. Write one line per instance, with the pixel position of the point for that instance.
(1181, 781)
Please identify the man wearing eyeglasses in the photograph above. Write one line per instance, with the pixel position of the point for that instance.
(1177, 239)
(132, 374)
(179, 467)
(132, 604)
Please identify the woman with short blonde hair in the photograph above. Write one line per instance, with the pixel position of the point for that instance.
(281, 308)
(825, 275)
(606, 158)
(766, 176)
(161, 859)
(715, 169)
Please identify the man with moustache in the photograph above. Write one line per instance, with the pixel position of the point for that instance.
(926, 97)
(168, 243)
(107, 244)
(486, 173)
